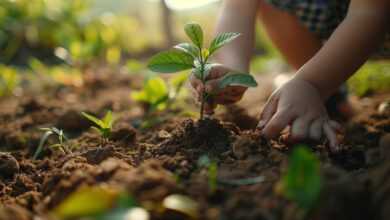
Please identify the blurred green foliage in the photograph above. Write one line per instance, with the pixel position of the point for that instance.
(65, 29)
(9, 80)
(302, 183)
(374, 76)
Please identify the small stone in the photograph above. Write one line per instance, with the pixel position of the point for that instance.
(123, 132)
(9, 166)
(163, 134)
(384, 107)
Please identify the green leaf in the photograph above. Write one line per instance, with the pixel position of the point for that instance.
(170, 61)
(44, 138)
(195, 33)
(93, 119)
(155, 92)
(189, 49)
(221, 40)
(303, 182)
(237, 79)
(86, 201)
(108, 120)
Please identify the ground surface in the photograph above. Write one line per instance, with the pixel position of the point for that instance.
(148, 163)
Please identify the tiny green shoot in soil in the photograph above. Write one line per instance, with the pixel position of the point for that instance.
(104, 125)
(212, 171)
(302, 183)
(158, 94)
(194, 56)
(49, 132)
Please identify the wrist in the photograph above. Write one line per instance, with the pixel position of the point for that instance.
(322, 90)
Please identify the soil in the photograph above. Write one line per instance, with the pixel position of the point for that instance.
(153, 163)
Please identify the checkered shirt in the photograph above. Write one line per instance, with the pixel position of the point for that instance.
(322, 17)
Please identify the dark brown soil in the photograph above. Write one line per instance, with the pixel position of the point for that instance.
(149, 163)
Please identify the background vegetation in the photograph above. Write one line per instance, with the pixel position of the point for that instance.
(58, 40)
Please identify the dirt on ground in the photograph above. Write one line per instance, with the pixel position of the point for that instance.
(153, 163)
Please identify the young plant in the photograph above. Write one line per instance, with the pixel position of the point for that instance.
(194, 56)
(212, 171)
(103, 126)
(49, 132)
(302, 183)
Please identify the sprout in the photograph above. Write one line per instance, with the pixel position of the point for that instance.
(103, 126)
(49, 132)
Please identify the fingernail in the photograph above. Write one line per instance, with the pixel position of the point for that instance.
(261, 124)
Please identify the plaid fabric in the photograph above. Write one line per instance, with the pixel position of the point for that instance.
(322, 17)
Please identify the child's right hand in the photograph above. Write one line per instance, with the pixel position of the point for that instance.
(228, 95)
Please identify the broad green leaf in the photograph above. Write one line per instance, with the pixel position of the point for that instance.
(93, 119)
(155, 89)
(303, 181)
(182, 204)
(155, 92)
(171, 61)
(221, 40)
(195, 33)
(86, 201)
(189, 49)
(237, 79)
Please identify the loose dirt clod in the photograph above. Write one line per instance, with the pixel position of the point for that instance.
(9, 166)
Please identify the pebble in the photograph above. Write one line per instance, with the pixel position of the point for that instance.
(9, 166)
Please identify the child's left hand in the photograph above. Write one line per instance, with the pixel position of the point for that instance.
(299, 104)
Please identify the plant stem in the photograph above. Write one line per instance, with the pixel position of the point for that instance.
(202, 101)
(202, 106)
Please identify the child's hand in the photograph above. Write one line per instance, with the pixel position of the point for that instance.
(299, 104)
(228, 95)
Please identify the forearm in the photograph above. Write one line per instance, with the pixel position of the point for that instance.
(349, 47)
(237, 16)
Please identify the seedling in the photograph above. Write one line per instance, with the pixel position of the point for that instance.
(302, 182)
(212, 171)
(103, 126)
(49, 132)
(157, 93)
(194, 56)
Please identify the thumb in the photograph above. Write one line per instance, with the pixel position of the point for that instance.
(268, 111)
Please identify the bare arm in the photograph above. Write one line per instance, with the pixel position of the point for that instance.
(238, 16)
(361, 32)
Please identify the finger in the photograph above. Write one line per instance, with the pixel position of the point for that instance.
(217, 71)
(331, 136)
(277, 123)
(195, 82)
(226, 100)
(315, 131)
(212, 86)
(300, 128)
(336, 126)
(268, 111)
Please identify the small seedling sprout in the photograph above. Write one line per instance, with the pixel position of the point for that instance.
(48, 132)
(194, 56)
(103, 126)
(212, 171)
(302, 183)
